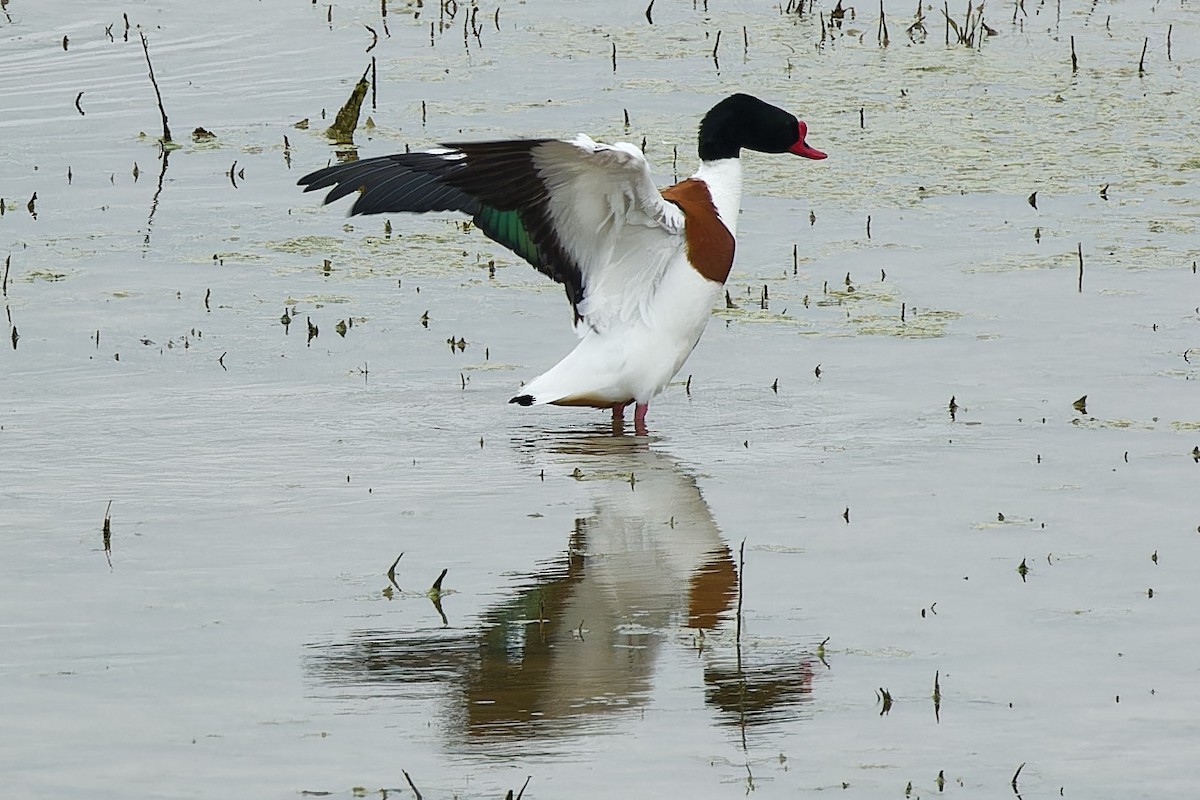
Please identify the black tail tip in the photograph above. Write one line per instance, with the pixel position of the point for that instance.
(523, 400)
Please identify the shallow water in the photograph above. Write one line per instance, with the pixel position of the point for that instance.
(242, 635)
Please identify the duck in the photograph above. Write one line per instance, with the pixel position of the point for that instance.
(642, 268)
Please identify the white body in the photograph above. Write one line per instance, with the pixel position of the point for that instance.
(645, 306)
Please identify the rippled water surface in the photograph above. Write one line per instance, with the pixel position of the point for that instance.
(950, 484)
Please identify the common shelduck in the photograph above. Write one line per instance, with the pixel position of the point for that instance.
(642, 268)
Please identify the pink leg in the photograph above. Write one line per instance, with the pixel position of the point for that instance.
(639, 418)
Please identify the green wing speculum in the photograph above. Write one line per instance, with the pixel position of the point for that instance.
(498, 183)
(506, 228)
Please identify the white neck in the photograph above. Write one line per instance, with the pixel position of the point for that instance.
(724, 179)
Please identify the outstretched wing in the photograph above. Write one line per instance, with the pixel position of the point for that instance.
(586, 214)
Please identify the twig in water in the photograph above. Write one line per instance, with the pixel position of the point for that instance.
(1014, 779)
(1080, 251)
(416, 791)
(391, 573)
(937, 696)
(106, 533)
(437, 585)
(166, 137)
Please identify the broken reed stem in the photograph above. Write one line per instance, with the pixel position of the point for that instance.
(7, 264)
(1080, 251)
(106, 531)
(346, 121)
(1074, 59)
(417, 792)
(1169, 28)
(1016, 775)
(1142, 60)
(154, 82)
(437, 585)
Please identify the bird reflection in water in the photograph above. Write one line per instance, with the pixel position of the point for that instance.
(645, 569)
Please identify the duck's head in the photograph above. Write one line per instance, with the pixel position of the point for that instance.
(742, 120)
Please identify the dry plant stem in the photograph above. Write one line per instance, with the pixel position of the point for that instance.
(1079, 250)
(1016, 775)
(412, 785)
(154, 82)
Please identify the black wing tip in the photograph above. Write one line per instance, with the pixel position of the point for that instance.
(316, 180)
(523, 400)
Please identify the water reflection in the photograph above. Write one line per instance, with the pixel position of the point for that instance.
(645, 569)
